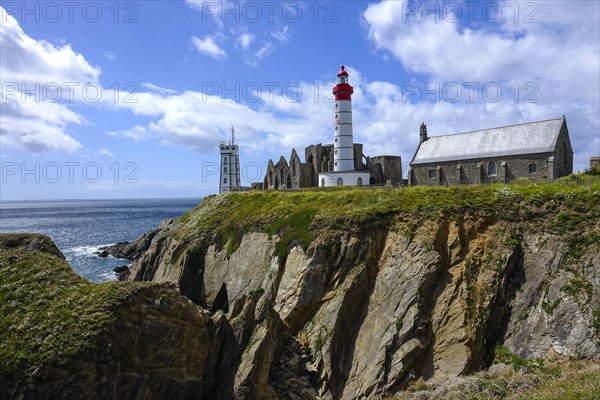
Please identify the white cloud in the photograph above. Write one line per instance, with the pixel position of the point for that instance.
(104, 152)
(244, 40)
(109, 55)
(158, 89)
(208, 46)
(282, 35)
(37, 127)
(28, 121)
(226, 12)
(138, 133)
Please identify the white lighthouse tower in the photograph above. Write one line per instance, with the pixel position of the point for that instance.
(343, 173)
(230, 165)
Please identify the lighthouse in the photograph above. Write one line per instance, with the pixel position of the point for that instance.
(343, 173)
(343, 142)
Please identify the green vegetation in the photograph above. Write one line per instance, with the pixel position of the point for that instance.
(298, 217)
(503, 355)
(48, 314)
(560, 380)
(577, 286)
(596, 321)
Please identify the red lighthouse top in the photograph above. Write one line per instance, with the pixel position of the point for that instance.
(342, 71)
(343, 90)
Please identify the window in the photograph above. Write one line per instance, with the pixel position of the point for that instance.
(225, 169)
(336, 116)
(336, 128)
(432, 174)
(359, 181)
(492, 168)
(340, 181)
(336, 106)
(336, 164)
(532, 168)
(322, 182)
(336, 139)
(224, 180)
(225, 160)
(336, 152)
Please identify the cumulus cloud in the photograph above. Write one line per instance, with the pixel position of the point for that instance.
(208, 46)
(30, 70)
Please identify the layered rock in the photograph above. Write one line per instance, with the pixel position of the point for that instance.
(378, 310)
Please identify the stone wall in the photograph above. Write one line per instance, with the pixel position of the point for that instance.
(390, 166)
(466, 172)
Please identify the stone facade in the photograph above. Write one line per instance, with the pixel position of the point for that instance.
(502, 167)
(296, 174)
(594, 163)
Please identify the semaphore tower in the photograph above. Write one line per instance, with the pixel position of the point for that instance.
(230, 165)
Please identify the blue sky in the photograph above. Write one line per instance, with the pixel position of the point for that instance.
(130, 99)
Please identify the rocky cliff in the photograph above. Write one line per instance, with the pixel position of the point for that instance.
(351, 294)
(337, 294)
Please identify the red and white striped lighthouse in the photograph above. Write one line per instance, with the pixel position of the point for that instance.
(343, 158)
(344, 172)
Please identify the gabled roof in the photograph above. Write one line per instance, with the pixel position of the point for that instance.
(530, 138)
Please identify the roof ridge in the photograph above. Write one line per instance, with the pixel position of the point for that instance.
(497, 127)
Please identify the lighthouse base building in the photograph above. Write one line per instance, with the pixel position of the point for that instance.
(344, 178)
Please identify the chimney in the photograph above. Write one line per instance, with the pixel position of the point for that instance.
(423, 133)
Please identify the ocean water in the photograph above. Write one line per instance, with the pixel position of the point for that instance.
(80, 227)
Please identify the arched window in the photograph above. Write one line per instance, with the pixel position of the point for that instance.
(310, 159)
(293, 168)
(492, 168)
(224, 169)
(322, 182)
(359, 181)
(225, 160)
(565, 155)
(340, 181)
(224, 180)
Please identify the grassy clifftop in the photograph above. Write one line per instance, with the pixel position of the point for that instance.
(48, 313)
(300, 216)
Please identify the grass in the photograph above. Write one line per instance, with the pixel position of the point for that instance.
(303, 214)
(563, 380)
(48, 314)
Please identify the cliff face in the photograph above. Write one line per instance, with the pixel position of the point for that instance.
(352, 312)
(337, 294)
(63, 337)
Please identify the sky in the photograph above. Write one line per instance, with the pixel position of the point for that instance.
(130, 99)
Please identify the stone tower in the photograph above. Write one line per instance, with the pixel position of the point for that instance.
(230, 165)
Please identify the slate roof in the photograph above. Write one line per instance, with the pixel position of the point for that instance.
(530, 138)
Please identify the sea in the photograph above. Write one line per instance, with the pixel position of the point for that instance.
(80, 227)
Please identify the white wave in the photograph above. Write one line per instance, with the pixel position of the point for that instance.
(108, 277)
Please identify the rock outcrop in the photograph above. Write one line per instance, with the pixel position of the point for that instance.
(358, 315)
(291, 298)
